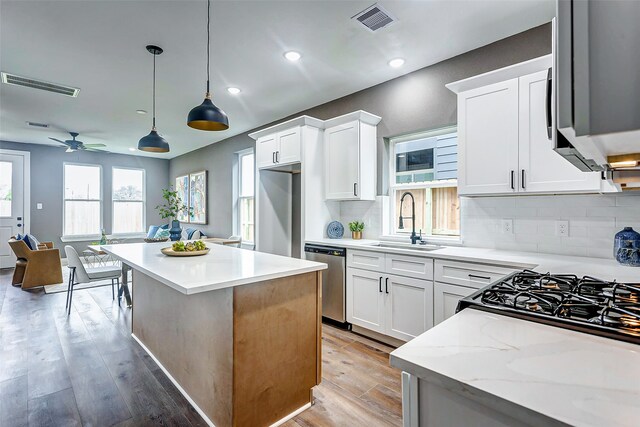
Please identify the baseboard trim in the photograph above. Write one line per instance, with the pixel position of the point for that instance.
(291, 415)
(385, 339)
(178, 386)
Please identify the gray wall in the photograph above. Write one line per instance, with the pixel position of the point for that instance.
(414, 102)
(47, 182)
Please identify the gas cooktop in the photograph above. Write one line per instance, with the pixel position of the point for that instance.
(584, 304)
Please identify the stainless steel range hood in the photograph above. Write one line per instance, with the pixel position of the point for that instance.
(597, 89)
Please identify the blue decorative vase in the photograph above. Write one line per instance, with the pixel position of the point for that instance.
(626, 247)
(175, 232)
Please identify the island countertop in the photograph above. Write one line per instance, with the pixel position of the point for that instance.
(222, 267)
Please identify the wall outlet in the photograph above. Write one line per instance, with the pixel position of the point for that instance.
(562, 228)
(507, 226)
(39, 206)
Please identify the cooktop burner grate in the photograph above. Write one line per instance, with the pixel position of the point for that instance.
(585, 303)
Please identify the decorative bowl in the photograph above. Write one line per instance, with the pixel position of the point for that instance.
(170, 252)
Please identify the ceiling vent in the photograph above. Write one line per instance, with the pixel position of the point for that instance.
(12, 79)
(374, 18)
(38, 125)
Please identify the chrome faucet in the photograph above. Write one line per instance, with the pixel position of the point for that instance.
(414, 237)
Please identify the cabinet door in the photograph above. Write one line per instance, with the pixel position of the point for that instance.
(408, 306)
(365, 299)
(342, 161)
(541, 168)
(488, 139)
(445, 300)
(265, 151)
(289, 143)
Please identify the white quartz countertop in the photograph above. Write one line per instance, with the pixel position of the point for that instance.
(222, 267)
(500, 361)
(604, 269)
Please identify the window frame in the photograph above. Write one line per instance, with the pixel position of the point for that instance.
(237, 197)
(428, 185)
(144, 203)
(80, 237)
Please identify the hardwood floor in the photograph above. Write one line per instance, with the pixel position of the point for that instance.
(85, 369)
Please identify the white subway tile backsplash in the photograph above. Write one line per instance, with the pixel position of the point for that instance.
(593, 221)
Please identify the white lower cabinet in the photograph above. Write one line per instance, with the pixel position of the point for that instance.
(445, 300)
(396, 306)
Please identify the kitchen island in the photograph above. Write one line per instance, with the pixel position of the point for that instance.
(237, 331)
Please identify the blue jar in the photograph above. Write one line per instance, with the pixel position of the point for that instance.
(626, 247)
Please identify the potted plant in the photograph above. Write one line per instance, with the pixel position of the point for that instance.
(170, 210)
(356, 229)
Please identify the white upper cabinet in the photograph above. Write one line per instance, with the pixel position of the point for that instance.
(350, 156)
(541, 168)
(266, 151)
(502, 136)
(280, 148)
(488, 139)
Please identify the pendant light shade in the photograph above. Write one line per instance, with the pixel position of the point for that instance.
(153, 142)
(207, 116)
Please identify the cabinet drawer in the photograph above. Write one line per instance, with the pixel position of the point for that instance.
(469, 274)
(366, 260)
(445, 300)
(410, 266)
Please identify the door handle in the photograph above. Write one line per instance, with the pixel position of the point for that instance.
(475, 276)
(273, 157)
(277, 157)
(547, 105)
(355, 189)
(522, 180)
(513, 185)
(19, 218)
(19, 225)
(386, 285)
(380, 284)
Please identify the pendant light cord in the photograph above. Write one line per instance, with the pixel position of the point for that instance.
(154, 90)
(208, 43)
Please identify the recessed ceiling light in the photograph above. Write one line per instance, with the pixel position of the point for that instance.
(141, 111)
(397, 62)
(292, 55)
(132, 149)
(233, 90)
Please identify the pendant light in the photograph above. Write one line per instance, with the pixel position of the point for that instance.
(154, 142)
(207, 116)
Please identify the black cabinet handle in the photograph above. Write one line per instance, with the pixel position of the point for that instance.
(547, 104)
(355, 189)
(380, 284)
(513, 185)
(273, 157)
(19, 225)
(386, 286)
(277, 157)
(475, 276)
(522, 180)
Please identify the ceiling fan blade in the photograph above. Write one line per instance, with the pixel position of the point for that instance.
(61, 142)
(69, 150)
(94, 145)
(94, 150)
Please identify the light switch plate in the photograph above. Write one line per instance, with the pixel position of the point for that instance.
(507, 226)
(562, 228)
(39, 206)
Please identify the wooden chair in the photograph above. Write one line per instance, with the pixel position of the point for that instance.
(36, 267)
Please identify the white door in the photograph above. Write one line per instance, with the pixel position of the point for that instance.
(288, 149)
(365, 299)
(266, 148)
(541, 168)
(342, 159)
(14, 166)
(445, 300)
(488, 139)
(408, 306)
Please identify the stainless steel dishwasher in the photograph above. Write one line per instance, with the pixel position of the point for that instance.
(333, 279)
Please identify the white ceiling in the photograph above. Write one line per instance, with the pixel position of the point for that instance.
(99, 46)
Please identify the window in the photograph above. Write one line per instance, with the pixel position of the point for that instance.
(128, 191)
(6, 171)
(425, 166)
(82, 200)
(245, 191)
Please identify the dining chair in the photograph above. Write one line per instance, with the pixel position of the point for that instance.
(236, 245)
(79, 274)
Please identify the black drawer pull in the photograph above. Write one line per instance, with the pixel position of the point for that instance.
(380, 284)
(475, 276)
(386, 286)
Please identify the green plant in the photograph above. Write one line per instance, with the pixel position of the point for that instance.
(356, 226)
(173, 205)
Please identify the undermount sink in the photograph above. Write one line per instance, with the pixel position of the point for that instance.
(416, 247)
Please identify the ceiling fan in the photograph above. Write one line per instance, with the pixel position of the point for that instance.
(75, 145)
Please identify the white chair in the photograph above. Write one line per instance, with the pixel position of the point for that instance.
(236, 245)
(79, 274)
